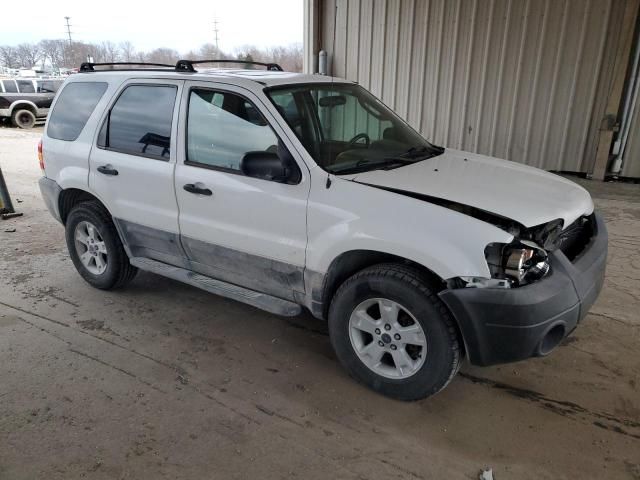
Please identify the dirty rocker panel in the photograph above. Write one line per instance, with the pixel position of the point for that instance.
(258, 273)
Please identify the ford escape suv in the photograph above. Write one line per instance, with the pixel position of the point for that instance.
(288, 191)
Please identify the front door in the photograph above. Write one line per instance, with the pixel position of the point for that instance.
(247, 231)
(132, 167)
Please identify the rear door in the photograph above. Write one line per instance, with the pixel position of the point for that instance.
(247, 231)
(132, 167)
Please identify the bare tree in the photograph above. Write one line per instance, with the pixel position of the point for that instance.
(61, 53)
(8, 56)
(127, 51)
(109, 52)
(28, 54)
(52, 50)
(163, 55)
(209, 51)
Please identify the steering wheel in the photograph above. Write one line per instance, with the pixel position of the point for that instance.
(354, 140)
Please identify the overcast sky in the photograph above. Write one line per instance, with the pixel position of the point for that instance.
(181, 25)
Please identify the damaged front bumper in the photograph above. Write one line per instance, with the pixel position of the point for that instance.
(505, 325)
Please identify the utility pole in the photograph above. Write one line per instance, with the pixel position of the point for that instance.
(215, 31)
(68, 29)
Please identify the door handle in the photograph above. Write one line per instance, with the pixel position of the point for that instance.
(194, 188)
(107, 170)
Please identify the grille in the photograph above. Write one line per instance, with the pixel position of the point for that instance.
(574, 239)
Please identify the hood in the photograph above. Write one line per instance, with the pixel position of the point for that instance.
(527, 195)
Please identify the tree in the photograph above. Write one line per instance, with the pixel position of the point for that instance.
(109, 52)
(28, 54)
(127, 51)
(8, 56)
(163, 55)
(53, 51)
(209, 51)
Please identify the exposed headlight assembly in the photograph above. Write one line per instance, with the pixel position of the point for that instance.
(511, 265)
(525, 262)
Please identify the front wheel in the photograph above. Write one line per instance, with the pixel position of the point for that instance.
(392, 333)
(95, 247)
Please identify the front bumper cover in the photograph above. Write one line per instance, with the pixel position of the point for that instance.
(506, 325)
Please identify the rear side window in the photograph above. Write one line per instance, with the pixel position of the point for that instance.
(10, 86)
(48, 86)
(139, 122)
(26, 86)
(73, 108)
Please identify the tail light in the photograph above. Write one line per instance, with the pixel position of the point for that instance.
(40, 156)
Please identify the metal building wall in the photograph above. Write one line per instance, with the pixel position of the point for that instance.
(524, 80)
(631, 158)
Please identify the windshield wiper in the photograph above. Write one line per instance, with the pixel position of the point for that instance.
(421, 151)
(366, 165)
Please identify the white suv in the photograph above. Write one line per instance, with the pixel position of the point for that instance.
(284, 191)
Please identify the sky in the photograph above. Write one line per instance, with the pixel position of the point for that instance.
(181, 25)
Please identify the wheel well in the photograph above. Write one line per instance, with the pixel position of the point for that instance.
(349, 263)
(23, 106)
(70, 197)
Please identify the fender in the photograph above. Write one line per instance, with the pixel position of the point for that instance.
(351, 216)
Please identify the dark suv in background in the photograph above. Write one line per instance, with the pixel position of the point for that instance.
(24, 100)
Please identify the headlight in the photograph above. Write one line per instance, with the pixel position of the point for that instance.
(525, 265)
(513, 265)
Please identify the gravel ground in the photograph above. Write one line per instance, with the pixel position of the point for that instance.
(162, 380)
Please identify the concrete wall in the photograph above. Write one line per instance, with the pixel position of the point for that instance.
(525, 80)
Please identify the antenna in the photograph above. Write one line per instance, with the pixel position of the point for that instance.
(68, 29)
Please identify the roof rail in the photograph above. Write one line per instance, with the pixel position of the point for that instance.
(88, 66)
(187, 65)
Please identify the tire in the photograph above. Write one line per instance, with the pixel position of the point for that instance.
(435, 354)
(113, 270)
(23, 119)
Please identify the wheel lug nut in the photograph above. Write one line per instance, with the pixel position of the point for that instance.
(397, 336)
(377, 331)
(393, 347)
(387, 326)
(381, 343)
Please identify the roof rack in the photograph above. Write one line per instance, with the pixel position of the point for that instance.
(180, 66)
(187, 65)
(88, 66)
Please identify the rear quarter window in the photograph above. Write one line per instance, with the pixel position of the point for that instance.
(73, 108)
(26, 86)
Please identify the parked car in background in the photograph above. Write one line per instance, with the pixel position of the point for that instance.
(25, 100)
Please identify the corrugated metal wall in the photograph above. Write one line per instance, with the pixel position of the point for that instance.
(517, 79)
(631, 158)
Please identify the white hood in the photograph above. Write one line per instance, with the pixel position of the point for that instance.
(525, 194)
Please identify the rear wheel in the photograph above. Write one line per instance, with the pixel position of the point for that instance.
(23, 118)
(392, 333)
(95, 247)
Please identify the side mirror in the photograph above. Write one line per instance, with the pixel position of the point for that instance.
(265, 165)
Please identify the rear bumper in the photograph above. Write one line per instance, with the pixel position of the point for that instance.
(506, 325)
(50, 191)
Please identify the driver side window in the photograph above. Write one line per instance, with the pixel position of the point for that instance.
(223, 127)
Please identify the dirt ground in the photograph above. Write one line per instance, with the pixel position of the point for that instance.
(162, 380)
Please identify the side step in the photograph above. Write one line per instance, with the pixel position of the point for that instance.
(256, 299)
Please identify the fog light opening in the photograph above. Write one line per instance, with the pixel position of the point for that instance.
(551, 340)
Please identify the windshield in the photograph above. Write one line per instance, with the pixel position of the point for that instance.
(348, 130)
